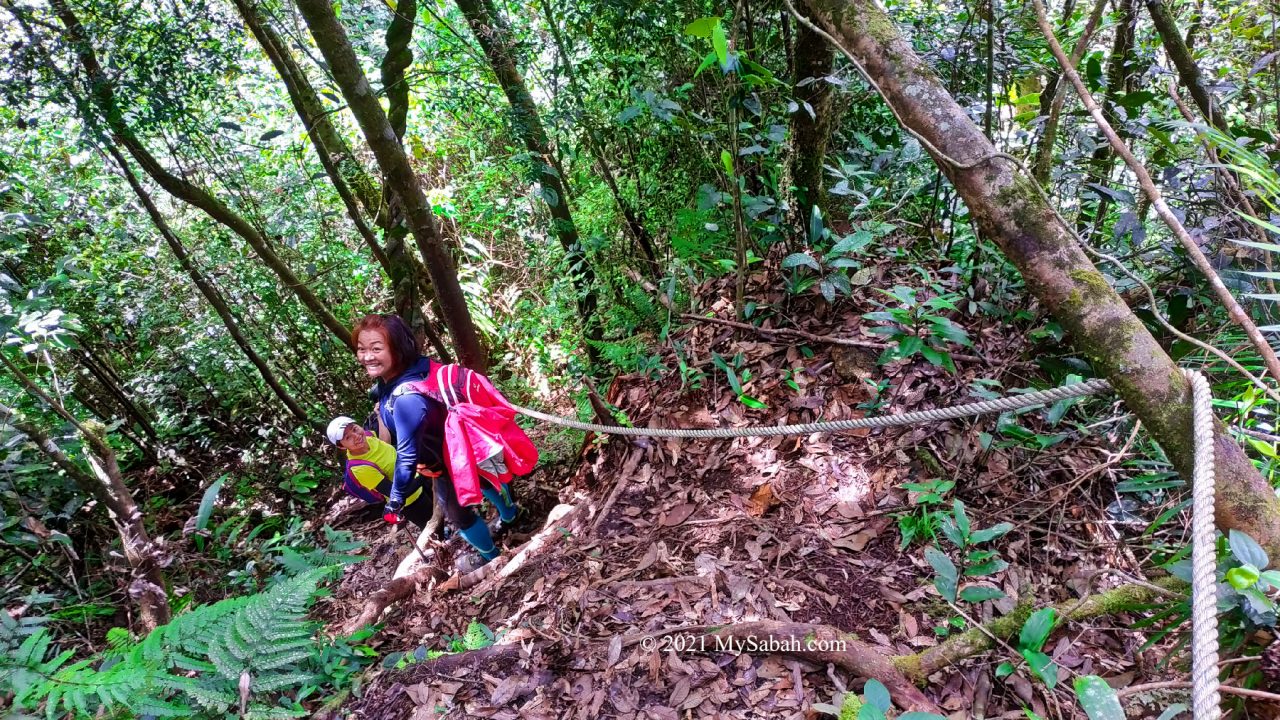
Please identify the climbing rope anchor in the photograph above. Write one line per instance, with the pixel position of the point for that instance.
(1205, 700)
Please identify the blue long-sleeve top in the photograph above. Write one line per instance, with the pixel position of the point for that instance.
(416, 424)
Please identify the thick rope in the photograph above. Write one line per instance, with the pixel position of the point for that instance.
(1205, 701)
(1012, 402)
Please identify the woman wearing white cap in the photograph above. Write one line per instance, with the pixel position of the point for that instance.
(371, 466)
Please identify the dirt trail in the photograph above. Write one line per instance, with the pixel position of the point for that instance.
(787, 529)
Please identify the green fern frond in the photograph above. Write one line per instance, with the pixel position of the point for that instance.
(478, 636)
(284, 680)
(263, 712)
(267, 633)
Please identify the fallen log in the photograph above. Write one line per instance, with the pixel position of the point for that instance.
(920, 666)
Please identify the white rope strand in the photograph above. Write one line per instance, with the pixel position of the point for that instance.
(1205, 701)
(1012, 402)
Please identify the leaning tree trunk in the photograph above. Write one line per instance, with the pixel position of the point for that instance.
(109, 490)
(207, 289)
(1188, 71)
(333, 44)
(1008, 207)
(104, 96)
(810, 133)
(495, 40)
(354, 186)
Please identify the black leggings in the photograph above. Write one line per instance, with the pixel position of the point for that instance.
(419, 512)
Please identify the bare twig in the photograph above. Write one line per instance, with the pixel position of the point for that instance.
(1237, 313)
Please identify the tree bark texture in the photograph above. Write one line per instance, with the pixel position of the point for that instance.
(209, 292)
(104, 97)
(398, 59)
(1188, 71)
(336, 48)
(1008, 207)
(813, 59)
(494, 39)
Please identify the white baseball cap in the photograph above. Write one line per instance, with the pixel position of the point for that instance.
(336, 427)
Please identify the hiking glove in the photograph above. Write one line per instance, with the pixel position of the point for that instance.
(391, 512)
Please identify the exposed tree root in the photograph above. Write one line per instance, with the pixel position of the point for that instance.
(519, 556)
(920, 666)
(392, 593)
(403, 587)
(413, 560)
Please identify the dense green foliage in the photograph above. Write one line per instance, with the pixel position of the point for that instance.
(243, 652)
(669, 123)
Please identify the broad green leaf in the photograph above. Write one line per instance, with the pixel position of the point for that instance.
(962, 519)
(1042, 665)
(991, 533)
(727, 161)
(1098, 699)
(798, 259)
(701, 27)
(1247, 550)
(207, 503)
(1036, 630)
(751, 402)
(877, 694)
(1004, 670)
(721, 44)
(948, 576)
(977, 594)
(1172, 711)
(1243, 577)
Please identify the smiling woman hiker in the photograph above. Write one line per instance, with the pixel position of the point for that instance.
(450, 427)
(371, 464)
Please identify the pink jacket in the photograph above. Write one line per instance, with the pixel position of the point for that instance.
(481, 437)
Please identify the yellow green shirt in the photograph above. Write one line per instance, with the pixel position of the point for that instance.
(383, 456)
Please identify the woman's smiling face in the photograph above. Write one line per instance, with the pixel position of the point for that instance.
(374, 353)
(354, 440)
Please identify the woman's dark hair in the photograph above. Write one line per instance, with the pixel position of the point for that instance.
(400, 340)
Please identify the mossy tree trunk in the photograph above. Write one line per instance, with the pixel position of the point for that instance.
(1008, 207)
(378, 132)
(1188, 71)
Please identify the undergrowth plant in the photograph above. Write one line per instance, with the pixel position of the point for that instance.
(477, 637)
(918, 327)
(257, 655)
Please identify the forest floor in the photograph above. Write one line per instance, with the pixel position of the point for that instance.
(803, 529)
